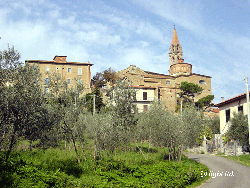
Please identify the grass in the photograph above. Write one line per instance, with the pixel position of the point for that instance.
(243, 159)
(56, 167)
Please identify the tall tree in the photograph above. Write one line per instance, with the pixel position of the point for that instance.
(239, 128)
(20, 99)
(98, 100)
(187, 94)
(205, 102)
(101, 78)
(109, 75)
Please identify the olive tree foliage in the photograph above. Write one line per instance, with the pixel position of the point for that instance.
(22, 114)
(238, 129)
(192, 124)
(173, 131)
(159, 127)
(121, 103)
(214, 124)
(114, 128)
(66, 102)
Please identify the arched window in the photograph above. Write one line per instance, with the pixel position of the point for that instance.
(168, 82)
(202, 82)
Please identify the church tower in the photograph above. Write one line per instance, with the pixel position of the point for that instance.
(177, 65)
(175, 50)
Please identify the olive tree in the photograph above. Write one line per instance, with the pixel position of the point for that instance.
(21, 110)
(238, 129)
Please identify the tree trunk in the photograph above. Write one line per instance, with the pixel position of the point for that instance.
(81, 142)
(65, 143)
(2, 140)
(30, 145)
(95, 148)
(12, 142)
(78, 158)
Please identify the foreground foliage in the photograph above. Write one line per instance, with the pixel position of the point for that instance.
(238, 129)
(59, 168)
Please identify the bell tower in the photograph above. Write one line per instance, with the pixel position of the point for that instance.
(177, 64)
(175, 50)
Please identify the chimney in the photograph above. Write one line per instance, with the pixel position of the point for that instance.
(222, 99)
(60, 59)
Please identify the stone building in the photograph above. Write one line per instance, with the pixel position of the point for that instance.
(71, 72)
(165, 87)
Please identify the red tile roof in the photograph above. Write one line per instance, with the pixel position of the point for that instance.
(53, 62)
(143, 87)
(239, 97)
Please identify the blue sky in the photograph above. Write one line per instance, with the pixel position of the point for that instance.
(214, 35)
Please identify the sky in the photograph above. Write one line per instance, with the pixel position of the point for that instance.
(214, 35)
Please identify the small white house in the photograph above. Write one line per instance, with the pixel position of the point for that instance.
(228, 107)
(144, 96)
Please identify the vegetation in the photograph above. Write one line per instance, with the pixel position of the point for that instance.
(98, 100)
(238, 129)
(243, 159)
(59, 168)
(69, 147)
(205, 102)
(187, 94)
(100, 79)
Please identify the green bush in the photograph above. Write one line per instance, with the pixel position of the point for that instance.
(59, 168)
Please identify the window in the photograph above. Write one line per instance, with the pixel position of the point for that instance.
(145, 97)
(79, 81)
(145, 108)
(57, 68)
(46, 81)
(79, 71)
(168, 82)
(202, 82)
(47, 69)
(69, 81)
(69, 70)
(240, 109)
(227, 115)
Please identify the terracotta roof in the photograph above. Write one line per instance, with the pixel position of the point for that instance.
(194, 74)
(144, 87)
(239, 97)
(175, 39)
(215, 110)
(156, 73)
(60, 63)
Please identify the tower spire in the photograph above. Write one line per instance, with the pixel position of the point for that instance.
(175, 39)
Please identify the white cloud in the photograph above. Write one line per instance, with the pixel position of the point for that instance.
(183, 13)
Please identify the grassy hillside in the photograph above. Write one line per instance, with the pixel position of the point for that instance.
(57, 167)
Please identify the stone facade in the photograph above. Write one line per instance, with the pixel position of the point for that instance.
(71, 72)
(166, 87)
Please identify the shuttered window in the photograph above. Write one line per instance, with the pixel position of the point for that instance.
(227, 115)
(145, 96)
